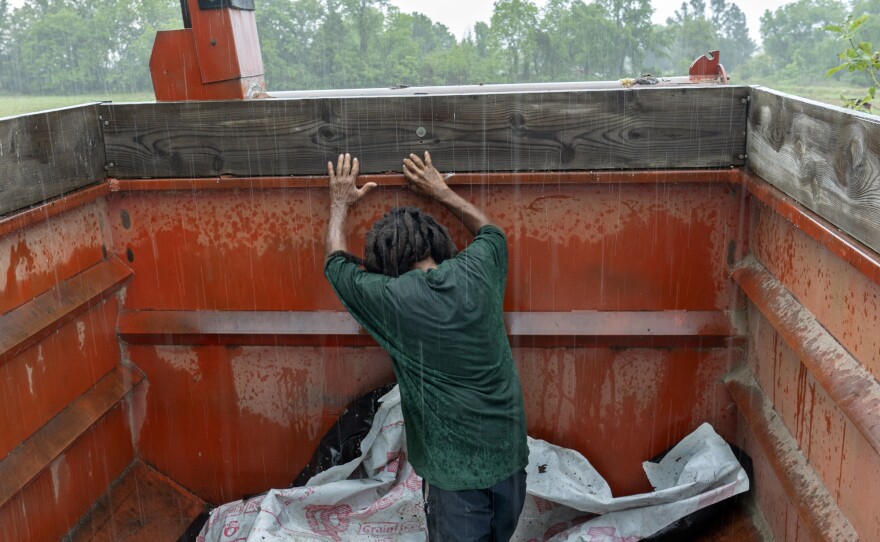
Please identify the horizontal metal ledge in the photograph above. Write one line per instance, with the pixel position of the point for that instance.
(814, 505)
(852, 388)
(26, 325)
(549, 178)
(52, 208)
(511, 88)
(38, 451)
(579, 328)
(850, 250)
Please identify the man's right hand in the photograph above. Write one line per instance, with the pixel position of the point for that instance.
(423, 177)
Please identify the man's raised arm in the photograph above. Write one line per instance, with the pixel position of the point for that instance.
(424, 178)
(344, 193)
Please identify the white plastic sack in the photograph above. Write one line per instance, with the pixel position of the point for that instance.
(567, 499)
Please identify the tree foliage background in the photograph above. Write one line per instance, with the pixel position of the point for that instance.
(72, 47)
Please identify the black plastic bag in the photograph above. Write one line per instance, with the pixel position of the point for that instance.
(342, 443)
(693, 525)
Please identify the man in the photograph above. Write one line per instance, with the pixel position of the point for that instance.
(438, 313)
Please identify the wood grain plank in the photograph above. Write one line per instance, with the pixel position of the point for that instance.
(660, 128)
(36, 453)
(827, 158)
(46, 154)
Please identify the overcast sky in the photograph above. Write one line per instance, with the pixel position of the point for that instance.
(460, 15)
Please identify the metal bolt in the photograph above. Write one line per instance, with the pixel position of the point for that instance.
(745, 100)
(743, 156)
(213, 42)
(106, 123)
(109, 165)
(420, 131)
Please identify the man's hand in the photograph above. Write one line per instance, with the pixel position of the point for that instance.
(423, 177)
(343, 194)
(343, 191)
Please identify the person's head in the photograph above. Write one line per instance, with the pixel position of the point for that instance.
(404, 237)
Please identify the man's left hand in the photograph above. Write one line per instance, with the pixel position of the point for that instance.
(343, 188)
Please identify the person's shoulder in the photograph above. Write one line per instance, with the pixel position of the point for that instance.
(491, 229)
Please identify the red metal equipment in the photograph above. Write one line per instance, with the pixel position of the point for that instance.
(708, 68)
(217, 57)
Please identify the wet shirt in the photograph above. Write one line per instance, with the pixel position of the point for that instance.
(460, 393)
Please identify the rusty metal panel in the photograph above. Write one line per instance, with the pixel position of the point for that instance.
(25, 326)
(844, 300)
(53, 503)
(265, 407)
(36, 258)
(842, 458)
(620, 407)
(780, 516)
(613, 247)
(41, 381)
(227, 421)
(848, 383)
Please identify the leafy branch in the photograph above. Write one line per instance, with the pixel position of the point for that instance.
(859, 56)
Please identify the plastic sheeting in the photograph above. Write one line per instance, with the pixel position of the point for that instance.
(378, 495)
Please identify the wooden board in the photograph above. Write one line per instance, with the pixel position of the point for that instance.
(656, 128)
(827, 158)
(43, 155)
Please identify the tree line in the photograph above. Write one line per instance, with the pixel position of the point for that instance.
(72, 47)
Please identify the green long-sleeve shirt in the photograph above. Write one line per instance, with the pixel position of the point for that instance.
(460, 393)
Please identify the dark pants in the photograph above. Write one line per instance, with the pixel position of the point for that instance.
(475, 514)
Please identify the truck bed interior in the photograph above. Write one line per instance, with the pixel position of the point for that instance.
(678, 255)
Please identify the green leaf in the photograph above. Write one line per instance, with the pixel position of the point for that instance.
(857, 23)
(833, 28)
(865, 46)
(833, 70)
(871, 92)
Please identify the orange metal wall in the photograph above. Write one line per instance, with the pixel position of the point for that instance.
(52, 504)
(230, 420)
(845, 302)
(39, 382)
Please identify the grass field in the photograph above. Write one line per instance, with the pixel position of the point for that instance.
(17, 105)
(825, 94)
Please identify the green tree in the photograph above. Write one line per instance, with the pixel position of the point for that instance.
(732, 33)
(858, 57)
(288, 30)
(688, 34)
(513, 31)
(635, 34)
(576, 41)
(797, 47)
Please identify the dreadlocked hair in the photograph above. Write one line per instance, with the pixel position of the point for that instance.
(404, 236)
